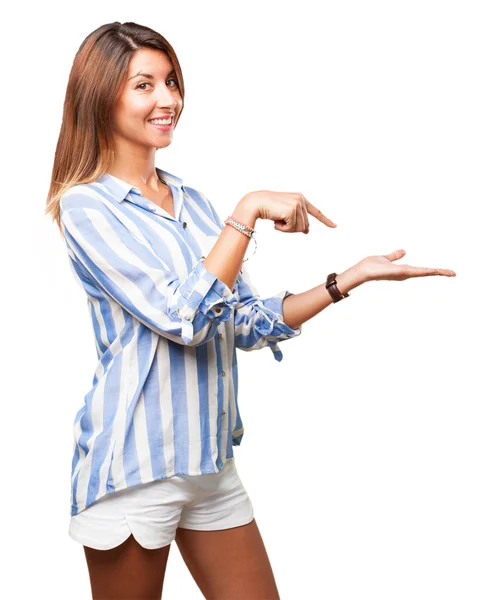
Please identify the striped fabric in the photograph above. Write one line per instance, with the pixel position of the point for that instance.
(164, 396)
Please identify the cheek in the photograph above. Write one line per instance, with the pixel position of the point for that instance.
(140, 108)
(135, 108)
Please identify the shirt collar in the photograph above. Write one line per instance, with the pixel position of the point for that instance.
(119, 189)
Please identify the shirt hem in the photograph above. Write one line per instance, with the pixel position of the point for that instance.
(111, 490)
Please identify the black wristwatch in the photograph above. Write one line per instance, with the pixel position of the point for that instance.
(331, 286)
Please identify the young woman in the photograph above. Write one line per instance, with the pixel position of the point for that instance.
(170, 301)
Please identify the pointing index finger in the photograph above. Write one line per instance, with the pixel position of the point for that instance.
(315, 212)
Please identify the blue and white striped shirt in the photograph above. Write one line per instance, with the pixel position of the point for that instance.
(164, 396)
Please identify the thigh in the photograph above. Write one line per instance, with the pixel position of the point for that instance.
(127, 571)
(228, 564)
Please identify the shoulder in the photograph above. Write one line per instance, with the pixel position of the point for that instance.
(204, 203)
(86, 195)
(196, 195)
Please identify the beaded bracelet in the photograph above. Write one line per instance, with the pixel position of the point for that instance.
(246, 229)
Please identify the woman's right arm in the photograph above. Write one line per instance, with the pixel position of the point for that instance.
(189, 311)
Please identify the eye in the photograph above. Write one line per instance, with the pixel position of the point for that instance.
(148, 83)
(143, 83)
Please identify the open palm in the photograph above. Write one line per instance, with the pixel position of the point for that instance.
(374, 268)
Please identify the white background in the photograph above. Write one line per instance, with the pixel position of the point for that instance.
(364, 480)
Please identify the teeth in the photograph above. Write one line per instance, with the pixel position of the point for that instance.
(161, 121)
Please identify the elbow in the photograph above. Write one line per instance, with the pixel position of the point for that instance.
(198, 328)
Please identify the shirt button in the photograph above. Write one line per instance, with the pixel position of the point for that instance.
(223, 413)
(220, 335)
(184, 224)
(223, 373)
(218, 310)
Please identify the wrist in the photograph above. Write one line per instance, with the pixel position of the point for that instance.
(349, 279)
(245, 211)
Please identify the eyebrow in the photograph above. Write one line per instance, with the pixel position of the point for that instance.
(172, 72)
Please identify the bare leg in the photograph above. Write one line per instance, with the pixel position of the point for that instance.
(229, 564)
(127, 572)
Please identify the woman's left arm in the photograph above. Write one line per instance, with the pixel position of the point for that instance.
(299, 308)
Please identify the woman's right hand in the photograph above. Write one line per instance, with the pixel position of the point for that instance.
(288, 210)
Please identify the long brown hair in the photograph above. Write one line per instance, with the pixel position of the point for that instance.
(85, 148)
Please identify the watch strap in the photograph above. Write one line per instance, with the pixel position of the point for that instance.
(332, 287)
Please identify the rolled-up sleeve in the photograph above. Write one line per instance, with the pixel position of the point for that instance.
(259, 322)
(187, 312)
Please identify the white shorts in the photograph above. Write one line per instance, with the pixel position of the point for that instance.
(152, 511)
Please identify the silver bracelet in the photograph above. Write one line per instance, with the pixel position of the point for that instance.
(246, 229)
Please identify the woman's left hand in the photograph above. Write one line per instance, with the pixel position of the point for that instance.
(375, 268)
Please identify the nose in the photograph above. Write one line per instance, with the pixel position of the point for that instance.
(166, 97)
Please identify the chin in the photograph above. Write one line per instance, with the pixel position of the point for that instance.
(166, 144)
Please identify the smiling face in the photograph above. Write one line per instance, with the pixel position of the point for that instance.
(151, 90)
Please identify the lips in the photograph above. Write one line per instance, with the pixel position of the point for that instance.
(161, 127)
(161, 117)
(168, 118)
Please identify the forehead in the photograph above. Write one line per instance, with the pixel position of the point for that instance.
(149, 60)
